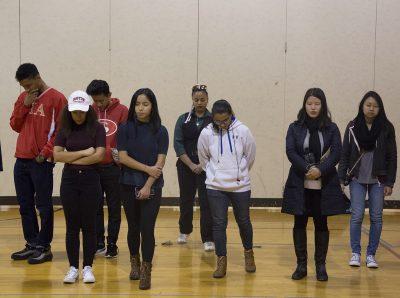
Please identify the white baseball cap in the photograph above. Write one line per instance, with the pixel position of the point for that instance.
(79, 101)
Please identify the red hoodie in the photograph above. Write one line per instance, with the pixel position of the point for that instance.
(111, 117)
(37, 124)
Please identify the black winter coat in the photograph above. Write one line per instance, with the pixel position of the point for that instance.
(332, 199)
(384, 166)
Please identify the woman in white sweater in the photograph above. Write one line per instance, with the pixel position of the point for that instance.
(226, 151)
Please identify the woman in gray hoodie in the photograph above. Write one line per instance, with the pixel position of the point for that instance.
(226, 150)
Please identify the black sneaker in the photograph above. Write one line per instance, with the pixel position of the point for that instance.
(41, 255)
(112, 251)
(101, 249)
(23, 254)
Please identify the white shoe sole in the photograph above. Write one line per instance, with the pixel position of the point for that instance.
(373, 266)
(100, 253)
(354, 264)
(89, 281)
(70, 281)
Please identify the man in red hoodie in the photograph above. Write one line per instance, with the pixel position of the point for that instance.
(35, 119)
(111, 114)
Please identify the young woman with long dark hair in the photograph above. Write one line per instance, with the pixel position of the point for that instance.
(313, 147)
(369, 164)
(142, 145)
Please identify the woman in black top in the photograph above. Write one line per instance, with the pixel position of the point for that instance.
(312, 188)
(80, 144)
(368, 164)
(191, 176)
(142, 146)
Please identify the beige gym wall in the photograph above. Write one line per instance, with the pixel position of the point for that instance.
(236, 47)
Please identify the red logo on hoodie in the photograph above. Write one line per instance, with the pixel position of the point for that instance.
(109, 125)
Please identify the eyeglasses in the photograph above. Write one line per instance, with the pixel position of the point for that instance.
(199, 88)
(222, 122)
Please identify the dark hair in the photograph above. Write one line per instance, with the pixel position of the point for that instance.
(26, 71)
(68, 124)
(155, 120)
(381, 114)
(324, 117)
(220, 107)
(98, 87)
(199, 88)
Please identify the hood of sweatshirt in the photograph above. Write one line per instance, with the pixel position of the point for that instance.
(111, 117)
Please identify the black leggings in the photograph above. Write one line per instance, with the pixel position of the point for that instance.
(141, 216)
(320, 222)
(79, 192)
(312, 204)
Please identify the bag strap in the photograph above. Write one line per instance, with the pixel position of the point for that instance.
(359, 150)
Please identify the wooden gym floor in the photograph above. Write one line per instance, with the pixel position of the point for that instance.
(186, 270)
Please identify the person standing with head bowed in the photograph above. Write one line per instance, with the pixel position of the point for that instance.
(80, 144)
(227, 152)
(143, 146)
(191, 176)
(111, 113)
(36, 119)
(312, 189)
(369, 165)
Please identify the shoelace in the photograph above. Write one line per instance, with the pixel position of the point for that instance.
(355, 257)
(371, 259)
(71, 273)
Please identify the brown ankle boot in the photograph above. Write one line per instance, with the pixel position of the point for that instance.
(221, 267)
(135, 267)
(145, 276)
(249, 261)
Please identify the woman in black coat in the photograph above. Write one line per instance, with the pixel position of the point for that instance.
(368, 164)
(313, 146)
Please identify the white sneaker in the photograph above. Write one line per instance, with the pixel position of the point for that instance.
(101, 250)
(209, 246)
(87, 275)
(355, 260)
(72, 275)
(371, 262)
(182, 239)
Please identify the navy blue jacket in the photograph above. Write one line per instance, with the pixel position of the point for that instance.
(332, 199)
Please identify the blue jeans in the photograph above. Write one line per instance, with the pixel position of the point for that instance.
(34, 188)
(358, 193)
(219, 201)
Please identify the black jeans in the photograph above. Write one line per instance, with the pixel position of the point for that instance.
(219, 201)
(312, 199)
(141, 216)
(189, 183)
(79, 192)
(34, 188)
(109, 180)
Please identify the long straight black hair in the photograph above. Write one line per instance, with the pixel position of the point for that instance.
(155, 120)
(324, 117)
(68, 124)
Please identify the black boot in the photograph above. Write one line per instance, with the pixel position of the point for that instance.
(321, 249)
(300, 247)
